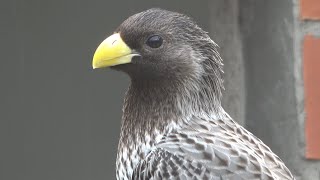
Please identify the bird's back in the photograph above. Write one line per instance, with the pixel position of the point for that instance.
(212, 149)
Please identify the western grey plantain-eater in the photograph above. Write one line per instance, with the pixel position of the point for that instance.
(173, 124)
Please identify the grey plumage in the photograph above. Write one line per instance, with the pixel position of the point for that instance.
(173, 125)
(207, 149)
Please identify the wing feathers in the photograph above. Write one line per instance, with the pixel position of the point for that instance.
(212, 150)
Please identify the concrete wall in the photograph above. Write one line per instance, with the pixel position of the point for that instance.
(267, 33)
(261, 44)
(272, 34)
(225, 31)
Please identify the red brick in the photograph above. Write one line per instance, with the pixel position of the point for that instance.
(311, 71)
(310, 9)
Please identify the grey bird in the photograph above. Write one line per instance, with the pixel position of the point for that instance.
(173, 124)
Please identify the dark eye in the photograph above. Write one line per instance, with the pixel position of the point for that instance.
(154, 41)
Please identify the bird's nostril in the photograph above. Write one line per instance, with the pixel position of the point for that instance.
(114, 42)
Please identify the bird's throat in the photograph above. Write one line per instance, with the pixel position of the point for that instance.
(155, 109)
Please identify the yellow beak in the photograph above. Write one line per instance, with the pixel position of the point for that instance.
(112, 51)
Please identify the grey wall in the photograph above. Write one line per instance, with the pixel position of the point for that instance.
(268, 48)
(225, 30)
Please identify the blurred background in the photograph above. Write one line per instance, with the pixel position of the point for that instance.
(59, 119)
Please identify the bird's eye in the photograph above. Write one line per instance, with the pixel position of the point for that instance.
(154, 41)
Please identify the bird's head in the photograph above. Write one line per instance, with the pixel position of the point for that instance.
(175, 71)
(159, 45)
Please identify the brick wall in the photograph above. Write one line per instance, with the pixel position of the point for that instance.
(306, 35)
(310, 9)
(310, 16)
(311, 72)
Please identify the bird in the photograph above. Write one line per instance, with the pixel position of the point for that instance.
(173, 124)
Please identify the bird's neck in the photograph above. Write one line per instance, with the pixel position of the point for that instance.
(153, 109)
